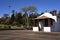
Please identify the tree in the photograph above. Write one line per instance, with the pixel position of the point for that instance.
(32, 9)
(4, 18)
(54, 12)
(6, 15)
(12, 17)
(24, 19)
(31, 17)
(7, 21)
(28, 11)
(18, 18)
(59, 14)
(2, 21)
(25, 10)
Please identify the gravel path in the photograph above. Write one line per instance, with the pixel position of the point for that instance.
(28, 35)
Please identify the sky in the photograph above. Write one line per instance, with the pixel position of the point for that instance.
(16, 5)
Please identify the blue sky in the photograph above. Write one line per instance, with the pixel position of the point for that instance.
(16, 5)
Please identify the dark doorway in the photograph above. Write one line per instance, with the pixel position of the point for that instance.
(46, 22)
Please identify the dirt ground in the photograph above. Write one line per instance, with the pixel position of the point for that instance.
(28, 35)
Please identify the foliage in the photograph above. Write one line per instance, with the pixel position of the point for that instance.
(6, 15)
(27, 11)
(18, 18)
(22, 19)
(59, 14)
(12, 17)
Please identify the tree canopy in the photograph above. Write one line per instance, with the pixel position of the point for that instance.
(23, 17)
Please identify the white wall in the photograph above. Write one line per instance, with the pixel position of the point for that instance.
(35, 29)
(41, 25)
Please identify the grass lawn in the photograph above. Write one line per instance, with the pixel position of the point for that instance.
(3, 26)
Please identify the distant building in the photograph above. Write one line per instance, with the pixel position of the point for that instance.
(47, 22)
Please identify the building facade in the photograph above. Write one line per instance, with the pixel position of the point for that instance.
(47, 22)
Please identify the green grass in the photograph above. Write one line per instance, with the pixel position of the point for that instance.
(15, 27)
(3, 26)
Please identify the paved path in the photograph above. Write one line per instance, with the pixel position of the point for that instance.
(27, 35)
